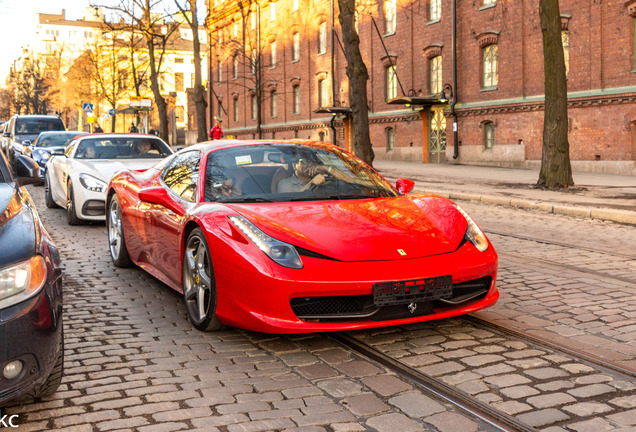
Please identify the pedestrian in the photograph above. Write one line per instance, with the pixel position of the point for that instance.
(216, 132)
(98, 129)
(133, 128)
(153, 131)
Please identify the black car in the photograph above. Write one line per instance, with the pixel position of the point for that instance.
(24, 129)
(31, 338)
(47, 144)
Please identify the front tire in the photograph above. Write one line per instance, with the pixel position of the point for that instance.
(199, 285)
(55, 378)
(48, 195)
(115, 229)
(71, 214)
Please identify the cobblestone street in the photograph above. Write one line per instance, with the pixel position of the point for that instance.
(133, 361)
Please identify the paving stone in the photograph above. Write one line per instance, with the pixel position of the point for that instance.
(262, 425)
(441, 368)
(593, 425)
(130, 422)
(301, 392)
(322, 419)
(624, 402)
(168, 427)
(473, 387)
(416, 405)
(576, 368)
(393, 422)
(586, 409)
(550, 400)
(497, 369)
(512, 407)
(591, 390)
(340, 387)
(506, 380)
(626, 418)
(347, 427)
(593, 379)
(543, 417)
(358, 369)
(460, 377)
(481, 360)
(244, 407)
(518, 392)
(365, 405)
(386, 385)
(451, 422)
(555, 385)
(317, 370)
(545, 373)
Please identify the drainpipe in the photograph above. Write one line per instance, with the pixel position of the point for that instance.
(454, 50)
(333, 76)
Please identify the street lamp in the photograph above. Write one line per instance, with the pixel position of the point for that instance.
(442, 95)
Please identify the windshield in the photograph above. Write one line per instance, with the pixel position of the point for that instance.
(56, 140)
(33, 126)
(290, 172)
(122, 148)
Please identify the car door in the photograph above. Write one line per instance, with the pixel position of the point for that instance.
(59, 168)
(180, 178)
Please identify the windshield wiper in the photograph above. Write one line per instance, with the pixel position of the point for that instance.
(245, 200)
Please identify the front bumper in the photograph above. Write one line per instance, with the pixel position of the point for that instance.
(89, 205)
(31, 332)
(256, 294)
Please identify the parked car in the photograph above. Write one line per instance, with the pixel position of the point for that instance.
(48, 143)
(297, 237)
(24, 129)
(4, 141)
(31, 338)
(77, 178)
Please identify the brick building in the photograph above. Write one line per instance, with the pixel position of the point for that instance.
(277, 56)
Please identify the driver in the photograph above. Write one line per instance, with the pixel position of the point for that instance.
(143, 147)
(307, 175)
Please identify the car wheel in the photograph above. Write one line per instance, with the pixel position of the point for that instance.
(71, 214)
(48, 196)
(199, 285)
(116, 241)
(55, 377)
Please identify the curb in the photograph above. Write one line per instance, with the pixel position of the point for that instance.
(612, 215)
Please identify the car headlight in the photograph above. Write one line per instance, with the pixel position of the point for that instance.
(280, 252)
(91, 183)
(43, 155)
(473, 232)
(21, 281)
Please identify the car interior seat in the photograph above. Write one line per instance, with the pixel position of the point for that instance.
(282, 172)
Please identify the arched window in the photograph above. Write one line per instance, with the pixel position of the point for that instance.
(391, 83)
(489, 135)
(322, 38)
(390, 16)
(274, 103)
(272, 55)
(390, 138)
(235, 109)
(254, 106)
(321, 136)
(296, 99)
(323, 93)
(436, 74)
(296, 47)
(235, 69)
(490, 66)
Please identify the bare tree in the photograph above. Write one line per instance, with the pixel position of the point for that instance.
(556, 171)
(189, 12)
(358, 77)
(156, 31)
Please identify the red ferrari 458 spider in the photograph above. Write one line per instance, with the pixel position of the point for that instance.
(299, 236)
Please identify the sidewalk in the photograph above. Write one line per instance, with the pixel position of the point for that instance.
(597, 196)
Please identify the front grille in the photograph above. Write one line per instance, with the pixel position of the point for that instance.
(333, 308)
(94, 208)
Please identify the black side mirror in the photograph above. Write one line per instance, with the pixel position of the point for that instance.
(27, 171)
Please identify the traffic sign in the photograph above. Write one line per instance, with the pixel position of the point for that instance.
(88, 107)
(111, 111)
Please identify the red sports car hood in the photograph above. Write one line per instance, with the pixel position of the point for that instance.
(410, 226)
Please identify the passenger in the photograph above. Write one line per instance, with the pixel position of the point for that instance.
(143, 148)
(89, 151)
(229, 189)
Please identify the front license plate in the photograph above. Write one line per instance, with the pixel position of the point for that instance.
(418, 290)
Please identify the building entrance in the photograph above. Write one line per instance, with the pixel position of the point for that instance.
(437, 135)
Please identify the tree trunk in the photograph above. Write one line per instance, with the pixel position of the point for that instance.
(556, 171)
(358, 77)
(199, 91)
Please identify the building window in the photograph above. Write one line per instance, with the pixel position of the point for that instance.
(297, 99)
(219, 109)
(254, 106)
(272, 10)
(179, 111)
(488, 3)
(253, 20)
(220, 70)
(235, 109)
(435, 10)
(321, 136)
(235, 29)
(390, 16)
(193, 78)
(296, 47)
(322, 38)
(436, 74)
(272, 57)
(390, 138)
(295, 5)
(391, 83)
(489, 134)
(274, 103)
(490, 66)
(235, 69)
(254, 62)
(565, 38)
(178, 81)
(178, 60)
(323, 93)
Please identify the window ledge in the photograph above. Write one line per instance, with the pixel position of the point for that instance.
(435, 21)
(487, 89)
(295, 61)
(389, 34)
(272, 67)
(322, 53)
(488, 6)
